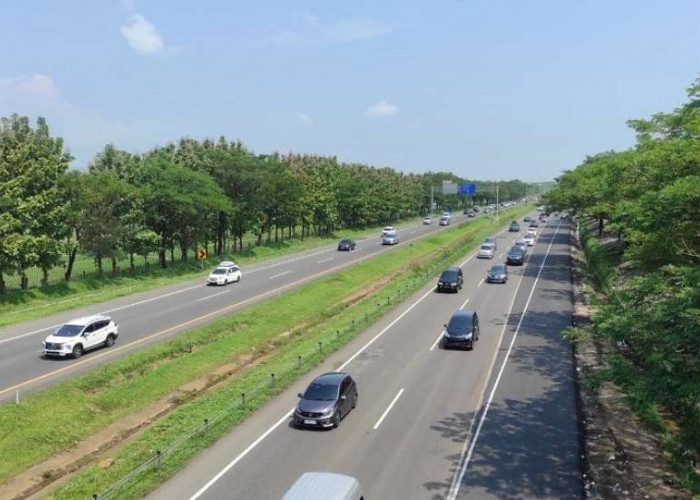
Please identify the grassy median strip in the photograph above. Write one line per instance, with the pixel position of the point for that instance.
(90, 402)
(22, 305)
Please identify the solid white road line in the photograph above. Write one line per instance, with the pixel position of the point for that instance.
(240, 457)
(457, 480)
(388, 409)
(278, 275)
(437, 340)
(212, 296)
(325, 260)
(53, 327)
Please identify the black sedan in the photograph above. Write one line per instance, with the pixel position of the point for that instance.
(326, 401)
(346, 245)
(497, 274)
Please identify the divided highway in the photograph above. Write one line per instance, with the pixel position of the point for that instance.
(152, 316)
(496, 422)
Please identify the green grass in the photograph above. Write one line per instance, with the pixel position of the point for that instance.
(23, 305)
(116, 389)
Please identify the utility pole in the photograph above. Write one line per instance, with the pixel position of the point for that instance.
(432, 188)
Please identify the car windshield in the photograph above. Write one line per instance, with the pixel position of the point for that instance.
(449, 276)
(69, 331)
(459, 323)
(390, 235)
(486, 248)
(516, 252)
(345, 242)
(498, 270)
(321, 392)
(219, 271)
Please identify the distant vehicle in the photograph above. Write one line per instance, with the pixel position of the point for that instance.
(516, 256)
(427, 221)
(533, 223)
(324, 486)
(529, 238)
(514, 227)
(326, 401)
(522, 244)
(390, 238)
(532, 231)
(526, 218)
(224, 275)
(544, 218)
(476, 208)
(491, 239)
(462, 330)
(497, 274)
(388, 229)
(540, 208)
(486, 251)
(346, 245)
(447, 214)
(471, 213)
(451, 280)
(80, 335)
(444, 221)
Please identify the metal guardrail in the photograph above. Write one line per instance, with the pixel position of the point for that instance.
(274, 381)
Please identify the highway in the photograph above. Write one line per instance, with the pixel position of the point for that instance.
(496, 422)
(155, 315)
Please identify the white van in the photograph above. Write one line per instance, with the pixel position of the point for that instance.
(324, 486)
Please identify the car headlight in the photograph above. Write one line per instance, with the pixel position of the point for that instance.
(453, 283)
(66, 347)
(328, 412)
(447, 335)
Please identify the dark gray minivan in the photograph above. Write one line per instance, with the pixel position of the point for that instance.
(462, 330)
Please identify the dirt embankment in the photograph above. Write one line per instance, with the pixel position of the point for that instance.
(623, 459)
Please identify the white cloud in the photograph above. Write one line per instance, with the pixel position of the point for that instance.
(142, 36)
(382, 109)
(304, 118)
(37, 85)
(84, 131)
(349, 30)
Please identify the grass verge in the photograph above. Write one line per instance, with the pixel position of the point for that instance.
(105, 394)
(22, 305)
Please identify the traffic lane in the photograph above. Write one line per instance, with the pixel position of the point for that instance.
(146, 324)
(424, 447)
(399, 352)
(45, 324)
(529, 444)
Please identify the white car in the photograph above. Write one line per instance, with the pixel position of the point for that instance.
(80, 335)
(391, 238)
(532, 232)
(388, 229)
(224, 275)
(227, 263)
(487, 251)
(427, 221)
(529, 238)
(447, 214)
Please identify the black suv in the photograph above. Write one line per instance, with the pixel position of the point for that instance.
(451, 279)
(462, 330)
(515, 257)
(514, 227)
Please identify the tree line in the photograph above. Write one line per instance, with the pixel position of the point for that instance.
(648, 198)
(184, 195)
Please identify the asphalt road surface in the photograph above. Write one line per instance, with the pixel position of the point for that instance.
(152, 316)
(496, 422)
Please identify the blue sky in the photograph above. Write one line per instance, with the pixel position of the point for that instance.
(486, 89)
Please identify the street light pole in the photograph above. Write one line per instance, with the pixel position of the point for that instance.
(498, 207)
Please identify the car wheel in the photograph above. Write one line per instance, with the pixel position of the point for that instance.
(77, 351)
(336, 419)
(110, 340)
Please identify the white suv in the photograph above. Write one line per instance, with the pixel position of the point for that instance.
(80, 335)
